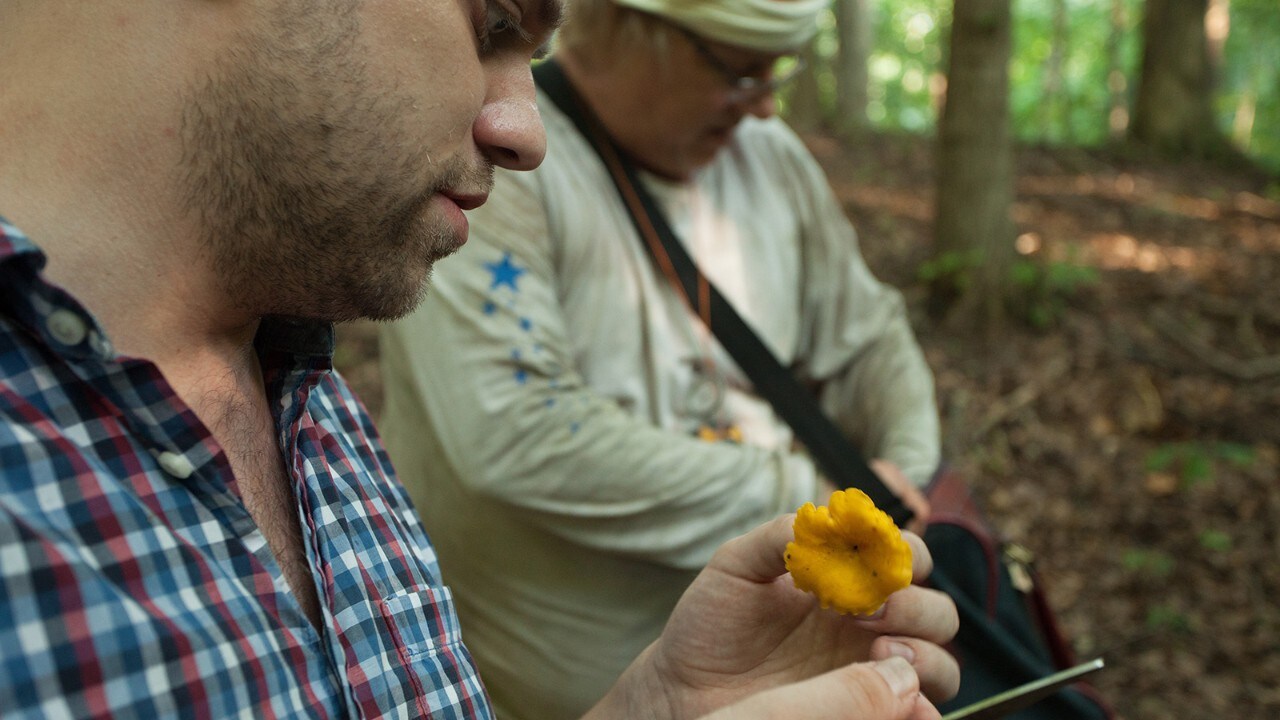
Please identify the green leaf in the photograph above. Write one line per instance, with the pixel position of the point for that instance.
(1134, 559)
(1215, 540)
(1237, 454)
(1024, 272)
(1164, 617)
(1161, 564)
(1162, 457)
(1149, 562)
(1197, 468)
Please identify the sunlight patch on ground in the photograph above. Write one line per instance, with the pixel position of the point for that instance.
(1118, 251)
(1124, 187)
(1257, 205)
(1028, 243)
(914, 204)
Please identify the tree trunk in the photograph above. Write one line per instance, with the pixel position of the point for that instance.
(975, 166)
(853, 24)
(1173, 112)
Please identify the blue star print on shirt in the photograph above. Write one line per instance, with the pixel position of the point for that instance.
(505, 272)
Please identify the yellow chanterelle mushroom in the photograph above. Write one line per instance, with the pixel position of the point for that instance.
(848, 553)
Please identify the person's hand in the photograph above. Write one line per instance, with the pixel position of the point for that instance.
(900, 485)
(743, 636)
(880, 690)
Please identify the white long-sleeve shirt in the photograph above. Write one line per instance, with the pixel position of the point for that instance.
(542, 404)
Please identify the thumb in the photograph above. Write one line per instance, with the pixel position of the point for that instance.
(883, 690)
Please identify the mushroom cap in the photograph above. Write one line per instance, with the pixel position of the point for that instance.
(848, 553)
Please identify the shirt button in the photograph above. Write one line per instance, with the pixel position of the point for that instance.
(66, 327)
(101, 345)
(176, 465)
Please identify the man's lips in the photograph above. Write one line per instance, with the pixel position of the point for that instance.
(464, 200)
(452, 203)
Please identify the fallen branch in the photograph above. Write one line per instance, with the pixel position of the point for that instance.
(1251, 369)
(1022, 396)
(1234, 309)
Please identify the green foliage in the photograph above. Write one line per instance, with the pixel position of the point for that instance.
(1154, 563)
(1249, 88)
(1043, 289)
(1040, 290)
(1237, 454)
(906, 60)
(1094, 54)
(953, 268)
(1078, 110)
(1196, 463)
(1166, 617)
(1215, 540)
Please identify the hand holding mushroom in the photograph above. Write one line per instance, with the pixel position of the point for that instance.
(746, 642)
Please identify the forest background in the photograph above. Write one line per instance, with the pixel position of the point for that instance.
(1080, 200)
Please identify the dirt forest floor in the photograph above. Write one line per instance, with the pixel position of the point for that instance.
(1133, 442)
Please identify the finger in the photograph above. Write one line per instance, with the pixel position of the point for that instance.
(892, 475)
(924, 709)
(758, 555)
(937, 669)
(917, 524)
(919, 505)
(921, 558)
(916, 611)
(886, 690)
(899, 484)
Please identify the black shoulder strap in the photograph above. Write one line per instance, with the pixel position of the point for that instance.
(830, 449)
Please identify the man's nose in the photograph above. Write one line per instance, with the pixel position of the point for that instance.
(763, 106)
(509, 129)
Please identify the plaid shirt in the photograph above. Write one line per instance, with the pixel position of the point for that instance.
(134, 583)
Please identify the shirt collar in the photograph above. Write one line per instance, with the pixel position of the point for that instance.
(308, 338)
(15, 244)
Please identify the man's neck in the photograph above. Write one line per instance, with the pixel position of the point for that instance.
(152, 304)
(90, 172)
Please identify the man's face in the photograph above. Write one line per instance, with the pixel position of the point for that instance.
(330, 154)
(695, 107)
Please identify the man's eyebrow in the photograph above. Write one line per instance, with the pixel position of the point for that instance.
(550, 13)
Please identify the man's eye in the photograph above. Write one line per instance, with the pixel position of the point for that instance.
(499, 26)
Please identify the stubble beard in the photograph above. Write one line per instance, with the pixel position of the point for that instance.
(306, 214)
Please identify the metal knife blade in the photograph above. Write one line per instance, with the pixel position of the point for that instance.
(1010, 701)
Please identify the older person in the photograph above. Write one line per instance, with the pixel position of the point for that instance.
(196, 516)
(549, 405)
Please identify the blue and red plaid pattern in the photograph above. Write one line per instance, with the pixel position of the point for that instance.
(134, 583)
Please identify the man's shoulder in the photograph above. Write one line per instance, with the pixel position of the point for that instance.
(772, 140)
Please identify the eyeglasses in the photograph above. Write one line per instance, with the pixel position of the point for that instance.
(747, 88)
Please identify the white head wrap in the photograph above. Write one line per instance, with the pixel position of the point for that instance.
(774, 26)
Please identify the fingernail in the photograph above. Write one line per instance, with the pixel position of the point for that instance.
(899, 674)
(903, 651)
